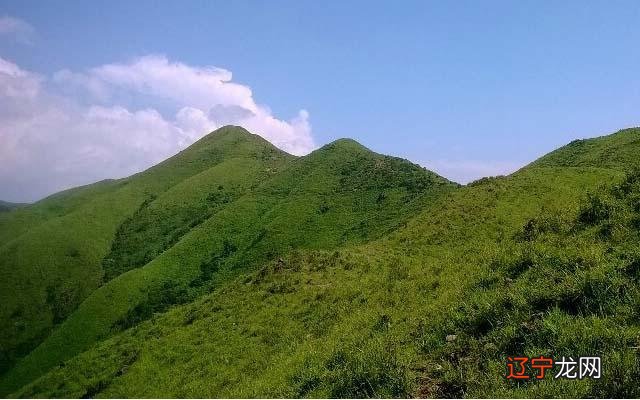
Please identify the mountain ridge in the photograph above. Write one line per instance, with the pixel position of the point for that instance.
(610, 151)
(68, 234)
(340, 193)
(342, 273)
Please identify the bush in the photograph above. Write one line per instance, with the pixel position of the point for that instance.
(157, 301)
(596, 210)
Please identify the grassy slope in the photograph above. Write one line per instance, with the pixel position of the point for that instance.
(565, 285)
(354, 324)
(51, 252)
(610, 151)
(371, 320)
(338, 195)
(14, 224)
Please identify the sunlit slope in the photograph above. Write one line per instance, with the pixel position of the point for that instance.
(340, 194)
(369, 320)
(162, 220)
(52, 252)
(20, 220)
(613, 151)
(360, 322)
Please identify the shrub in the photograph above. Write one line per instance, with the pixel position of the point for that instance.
(157, 301)
(596, 210)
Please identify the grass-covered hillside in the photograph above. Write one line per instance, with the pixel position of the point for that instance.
(52, 253)
(610, 151)
(210, 227)
(350, 274)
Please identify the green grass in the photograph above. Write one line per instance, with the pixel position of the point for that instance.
(362, 322)
(340, 194)
(342, 274)
(612, 151)
(13, 224)
(52, 252)
(161, 221)
(566, 285)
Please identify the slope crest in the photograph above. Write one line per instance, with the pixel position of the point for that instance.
(336, 196)
(618, 150)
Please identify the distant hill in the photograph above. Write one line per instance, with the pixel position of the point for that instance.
(346, 273)
(7, 206)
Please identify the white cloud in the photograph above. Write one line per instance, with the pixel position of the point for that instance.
(16, 28)
(117, 119)
(156, 76)
(465, 171)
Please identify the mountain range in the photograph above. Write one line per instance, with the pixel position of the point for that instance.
(234, 269)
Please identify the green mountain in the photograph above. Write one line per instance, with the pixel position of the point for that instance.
(209, 227)
(7, 206)
(52, 252)
(612, 151)
(349, 274)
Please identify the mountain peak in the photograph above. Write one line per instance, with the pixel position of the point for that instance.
(343, 145)
(230, 132)
(231, 139)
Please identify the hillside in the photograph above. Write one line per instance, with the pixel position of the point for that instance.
(52, 252)
(342, 275)
(613, 151)
(340, 194)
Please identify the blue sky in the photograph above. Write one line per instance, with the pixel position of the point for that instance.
(465, 88)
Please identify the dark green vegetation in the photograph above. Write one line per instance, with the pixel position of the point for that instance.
(7, 206)
(340, 274)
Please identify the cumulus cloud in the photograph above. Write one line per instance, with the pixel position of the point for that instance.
(113, 120)
(16, 28)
